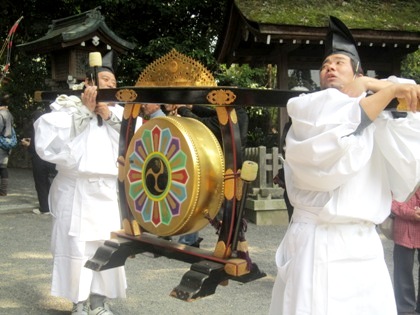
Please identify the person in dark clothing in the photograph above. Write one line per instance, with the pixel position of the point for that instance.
(6, 126)
(406, 236)
(43, 171)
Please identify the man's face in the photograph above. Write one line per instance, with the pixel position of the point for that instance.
(336, 71)
(149, 109)
(106, 80)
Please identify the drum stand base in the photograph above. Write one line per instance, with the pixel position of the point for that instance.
(205, 274)
(204, 277)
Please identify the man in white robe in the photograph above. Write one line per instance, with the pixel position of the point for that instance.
(345, 159)
(83, 196)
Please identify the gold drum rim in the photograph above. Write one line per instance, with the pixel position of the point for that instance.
(174, 176)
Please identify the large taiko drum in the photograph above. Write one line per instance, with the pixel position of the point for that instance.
(174, 176)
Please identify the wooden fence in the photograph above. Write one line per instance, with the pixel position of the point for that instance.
(268, 165)
(265, 204)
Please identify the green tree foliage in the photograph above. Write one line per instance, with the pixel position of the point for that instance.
(243, 76)
(190, 26)
(156, 26)
(262, 120)
(410, 67)
(27, 76)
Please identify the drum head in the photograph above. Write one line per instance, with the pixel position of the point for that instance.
(174, 176)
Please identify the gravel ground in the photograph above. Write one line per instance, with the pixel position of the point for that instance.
(25, 267)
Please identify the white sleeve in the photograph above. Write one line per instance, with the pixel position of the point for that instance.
(398, 140)
(53, 138)
(321, 149)
(57, 134)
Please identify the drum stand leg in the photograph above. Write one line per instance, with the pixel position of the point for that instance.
(204, 277)
(112, 254)
(200, 281)
(206, 272)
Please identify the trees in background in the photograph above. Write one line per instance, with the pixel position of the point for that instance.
(411, 66)
(156, 26)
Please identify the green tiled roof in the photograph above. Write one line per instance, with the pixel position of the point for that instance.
(75, 29)
(394, 15)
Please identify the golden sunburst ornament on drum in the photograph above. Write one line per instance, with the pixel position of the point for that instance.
(176, 69)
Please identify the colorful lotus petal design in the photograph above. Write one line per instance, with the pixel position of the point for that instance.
(157, 176)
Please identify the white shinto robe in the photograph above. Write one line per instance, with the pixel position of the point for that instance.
(83, 196)
(331, 259)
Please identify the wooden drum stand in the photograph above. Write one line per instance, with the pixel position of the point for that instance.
(174, 176)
